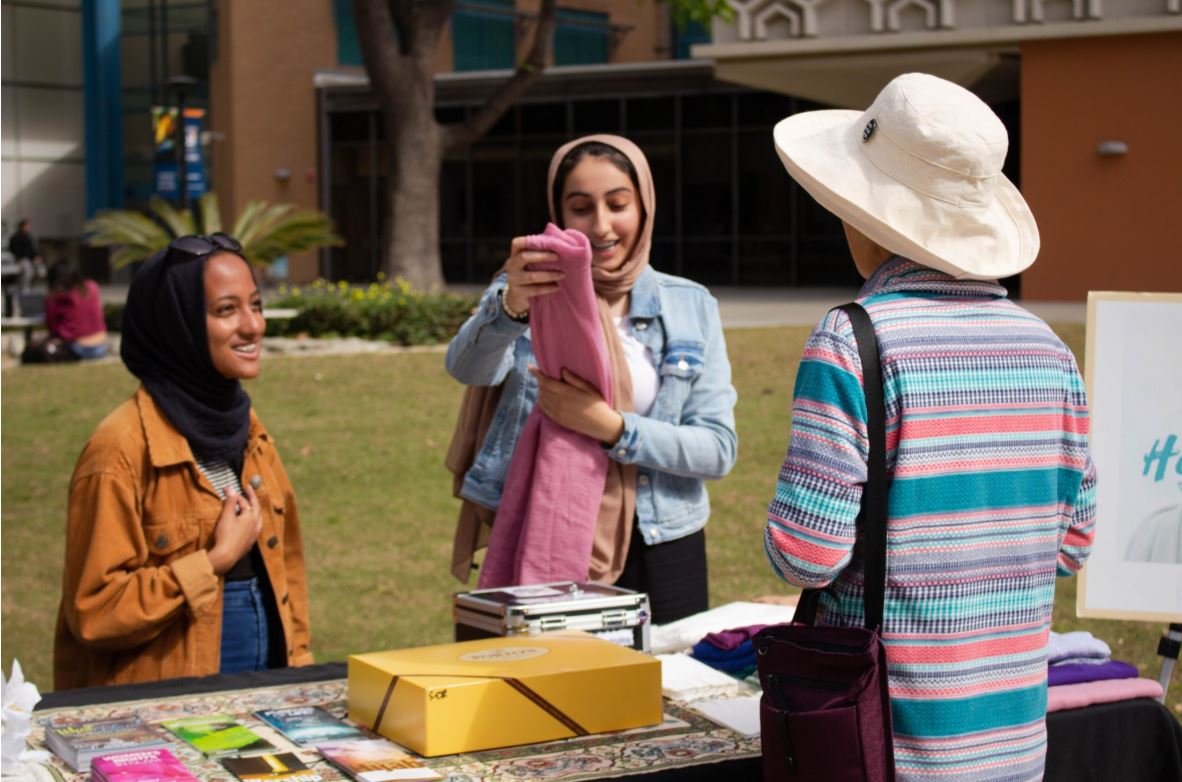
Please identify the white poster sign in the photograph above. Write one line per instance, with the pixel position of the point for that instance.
(1134, 379)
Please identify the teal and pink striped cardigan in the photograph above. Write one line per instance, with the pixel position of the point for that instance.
(992, 494)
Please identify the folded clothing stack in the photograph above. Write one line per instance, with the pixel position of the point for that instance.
(1081, 671)
(731, 651)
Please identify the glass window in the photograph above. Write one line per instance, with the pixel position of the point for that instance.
(543, 118)
(706, 184)
(349, 126)
(494, 178)
(765, 189)
(454, 253)
(707, 110)
(686, 36)
(453, 199)
(765, 263)
(348, 46)
(706, 261)
(661, 151)
(449, 115)
(650, 113)
(482, 35)
(505, 126)
(582, 37)
(764, 109)
(597, 116)
(535, 166)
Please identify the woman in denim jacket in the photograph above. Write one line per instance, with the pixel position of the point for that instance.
(682, 431)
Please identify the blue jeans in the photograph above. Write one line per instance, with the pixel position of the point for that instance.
(89, 351)
(246, 639)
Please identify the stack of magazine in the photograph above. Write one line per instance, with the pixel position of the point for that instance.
(142, 765)
(129, 750)
(79, 743)
(218, 735)
(376, 760)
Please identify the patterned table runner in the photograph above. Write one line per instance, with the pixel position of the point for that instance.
(685, 738)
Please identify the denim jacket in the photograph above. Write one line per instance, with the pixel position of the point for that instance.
(688, 436)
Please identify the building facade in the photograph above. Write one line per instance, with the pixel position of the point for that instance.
(1094, 82)
(1087, 89)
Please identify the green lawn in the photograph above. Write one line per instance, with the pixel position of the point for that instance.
(363, 438)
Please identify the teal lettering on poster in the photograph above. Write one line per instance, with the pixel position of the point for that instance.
(1160, 457)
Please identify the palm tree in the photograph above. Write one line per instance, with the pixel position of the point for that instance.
(266, 231)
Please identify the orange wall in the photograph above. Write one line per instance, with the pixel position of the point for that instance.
(264, 105)
(1106, 223)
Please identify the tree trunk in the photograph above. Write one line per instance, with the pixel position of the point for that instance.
(398, 39)
(410, 225)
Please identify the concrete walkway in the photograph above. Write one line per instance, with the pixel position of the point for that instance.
(739, 308)
(758, 307)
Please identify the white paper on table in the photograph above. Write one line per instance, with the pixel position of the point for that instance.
(685, 679)
(739, 714)
(684, 633)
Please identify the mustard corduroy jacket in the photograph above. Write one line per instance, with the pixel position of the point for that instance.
(140, 600)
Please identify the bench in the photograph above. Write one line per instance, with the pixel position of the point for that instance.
(26, 324)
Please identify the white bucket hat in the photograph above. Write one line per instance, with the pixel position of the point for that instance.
(919, 173)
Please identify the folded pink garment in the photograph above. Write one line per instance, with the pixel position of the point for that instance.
(1076, 696)
(545, 524)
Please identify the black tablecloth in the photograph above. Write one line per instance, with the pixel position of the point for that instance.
(1128, 741)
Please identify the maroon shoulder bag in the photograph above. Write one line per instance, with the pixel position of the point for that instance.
(825, 713)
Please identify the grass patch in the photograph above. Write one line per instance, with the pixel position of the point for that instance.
(363, 439)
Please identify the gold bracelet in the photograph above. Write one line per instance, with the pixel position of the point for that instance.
(520, 317)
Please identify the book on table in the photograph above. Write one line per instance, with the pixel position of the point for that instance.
(376, 760)
(308, 725)
(79, 743)
(141, 765)
(216, 735)
(270, 767)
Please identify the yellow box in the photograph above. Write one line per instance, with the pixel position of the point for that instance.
(498, 692)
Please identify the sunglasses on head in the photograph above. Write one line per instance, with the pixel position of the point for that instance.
(188, 247)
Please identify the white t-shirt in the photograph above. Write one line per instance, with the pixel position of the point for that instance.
(640, 365)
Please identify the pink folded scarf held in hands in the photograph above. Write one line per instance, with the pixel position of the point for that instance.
(545, 524)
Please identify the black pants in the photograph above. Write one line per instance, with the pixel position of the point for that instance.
(673, 574)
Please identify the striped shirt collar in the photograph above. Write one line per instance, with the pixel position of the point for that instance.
(899, 275)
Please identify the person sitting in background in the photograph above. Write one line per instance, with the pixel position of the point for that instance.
(74, 312)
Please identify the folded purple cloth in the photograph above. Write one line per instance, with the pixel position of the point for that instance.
(1076, 673)
(731, 639)
(730, 661)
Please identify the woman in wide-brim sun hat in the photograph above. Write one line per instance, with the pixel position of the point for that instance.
(992, 488)
(919, 173)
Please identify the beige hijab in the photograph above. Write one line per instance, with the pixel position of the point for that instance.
(613, 531)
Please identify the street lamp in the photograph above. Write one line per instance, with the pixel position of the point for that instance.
(182, 86)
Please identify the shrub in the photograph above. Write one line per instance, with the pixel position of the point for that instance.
(390, 311)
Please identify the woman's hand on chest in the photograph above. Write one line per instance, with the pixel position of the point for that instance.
(237, 529)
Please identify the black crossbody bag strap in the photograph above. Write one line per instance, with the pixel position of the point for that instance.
(872, 518)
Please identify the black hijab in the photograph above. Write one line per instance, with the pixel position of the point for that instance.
(165, 344)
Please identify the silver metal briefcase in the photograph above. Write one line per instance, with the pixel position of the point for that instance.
(613, 613)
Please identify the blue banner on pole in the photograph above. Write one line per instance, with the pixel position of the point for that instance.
(194, 155)
(164, 154)
(166, 175)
